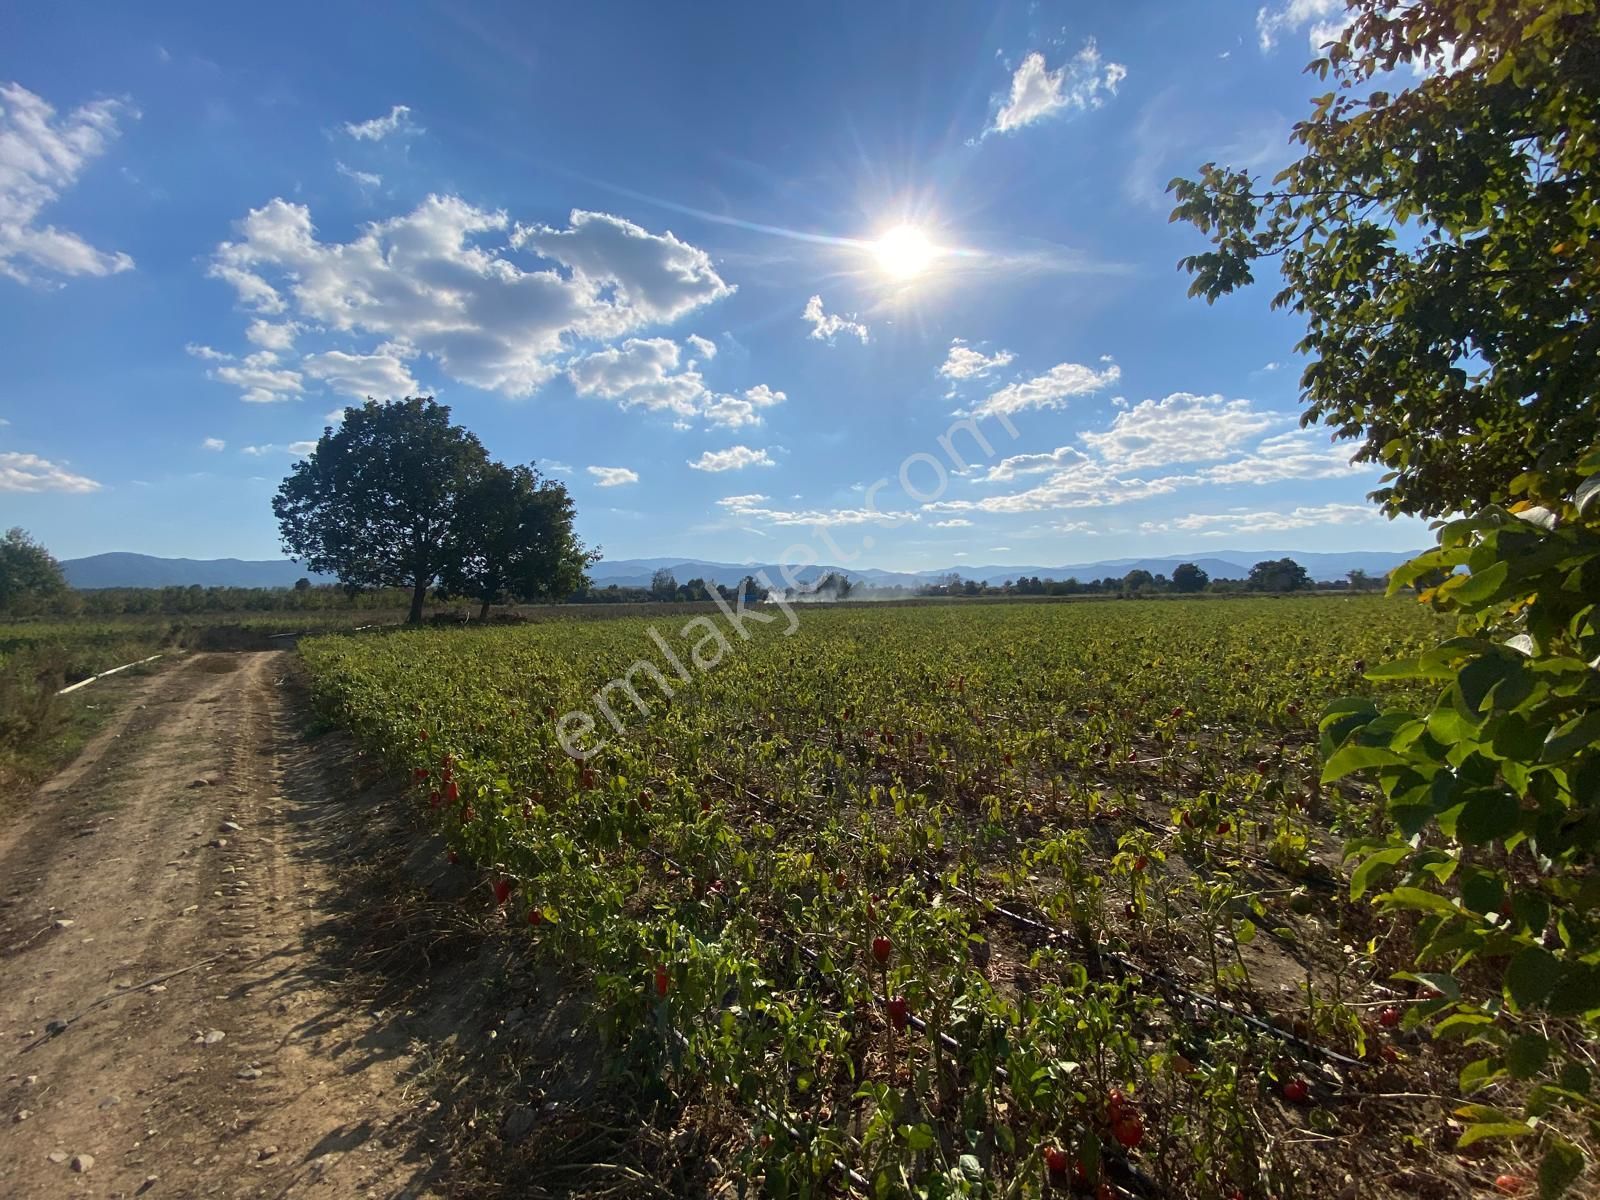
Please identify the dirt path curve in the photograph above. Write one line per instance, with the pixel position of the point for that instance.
(180, 841)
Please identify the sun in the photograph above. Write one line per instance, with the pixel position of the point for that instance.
(905, 252)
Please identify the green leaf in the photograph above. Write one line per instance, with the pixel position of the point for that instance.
(1381, 862)
(1417, 898)
(1577, 990)
(1497, 1129)
(1527, 1055)
(1572, 737)
(971, 1168)
(1487, 814)
(1560, 1167)
(1484, 585)
(1531, 976)
(918, 1137)
(1358, 758)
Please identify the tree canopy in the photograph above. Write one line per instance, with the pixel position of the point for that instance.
(1277, 575)
(397, 496)
(514, 540)
(1187, 577)
(29, 574)
(1439, 241)
(376, 502)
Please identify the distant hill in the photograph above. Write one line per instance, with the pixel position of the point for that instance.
(144, 570)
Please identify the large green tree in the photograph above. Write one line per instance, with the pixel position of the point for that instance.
(1277, 575)
(1188, 577)
(1438, 235)
(515, 540)
(1439, 239)
(379, 501)
(30, 577)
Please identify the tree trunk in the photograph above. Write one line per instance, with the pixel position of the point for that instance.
(483, 613)
(419, 593)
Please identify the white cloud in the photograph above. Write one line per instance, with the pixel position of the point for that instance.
(1037, 92)
(827, 326)
(643, 373)
(750, 507)
(1034, 464)
(268, 336)
(732, 412)
(1295, 14)
(375, 130)
(1299, 454)
(640, 373)
(734, 458)
(30, 473)
(963, 362)
(213, 444)
(704, 347)
(260, 378)
(1084, 484)
(550, 465)
(381, 375)
(40, 157)
(435, 279)
(1329, 21)
(207, 353)
(613, 476)
(1178, 429)
(953, 523)
(1051, 389)
(365, 179)
(1244, 521)
(298, 449)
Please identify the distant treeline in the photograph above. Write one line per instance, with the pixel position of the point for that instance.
(186, 601)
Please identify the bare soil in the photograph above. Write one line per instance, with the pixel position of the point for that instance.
(226, 969)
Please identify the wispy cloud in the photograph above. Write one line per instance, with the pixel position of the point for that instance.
(1083, 82)
(378, 128)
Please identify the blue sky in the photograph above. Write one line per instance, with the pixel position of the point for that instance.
(720, 267)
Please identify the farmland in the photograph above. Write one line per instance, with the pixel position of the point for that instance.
(999, 900)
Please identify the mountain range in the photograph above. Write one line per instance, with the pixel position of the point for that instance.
(144, 570)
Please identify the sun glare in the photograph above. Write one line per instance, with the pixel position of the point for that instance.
(905, 252)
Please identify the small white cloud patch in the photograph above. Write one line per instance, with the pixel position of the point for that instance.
(215, 444)
(1050, 390)
(1037, 92)
(613, 476)
(381, 375)
(827, 326)
(963, 362)
(734, 458)
(30, 473)
(375, 130)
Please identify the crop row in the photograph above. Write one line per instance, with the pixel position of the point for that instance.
(983, 901)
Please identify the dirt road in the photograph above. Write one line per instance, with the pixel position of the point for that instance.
(168, 898)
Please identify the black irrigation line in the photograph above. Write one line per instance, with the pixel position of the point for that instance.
(1160, 977)
(1168, 982)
